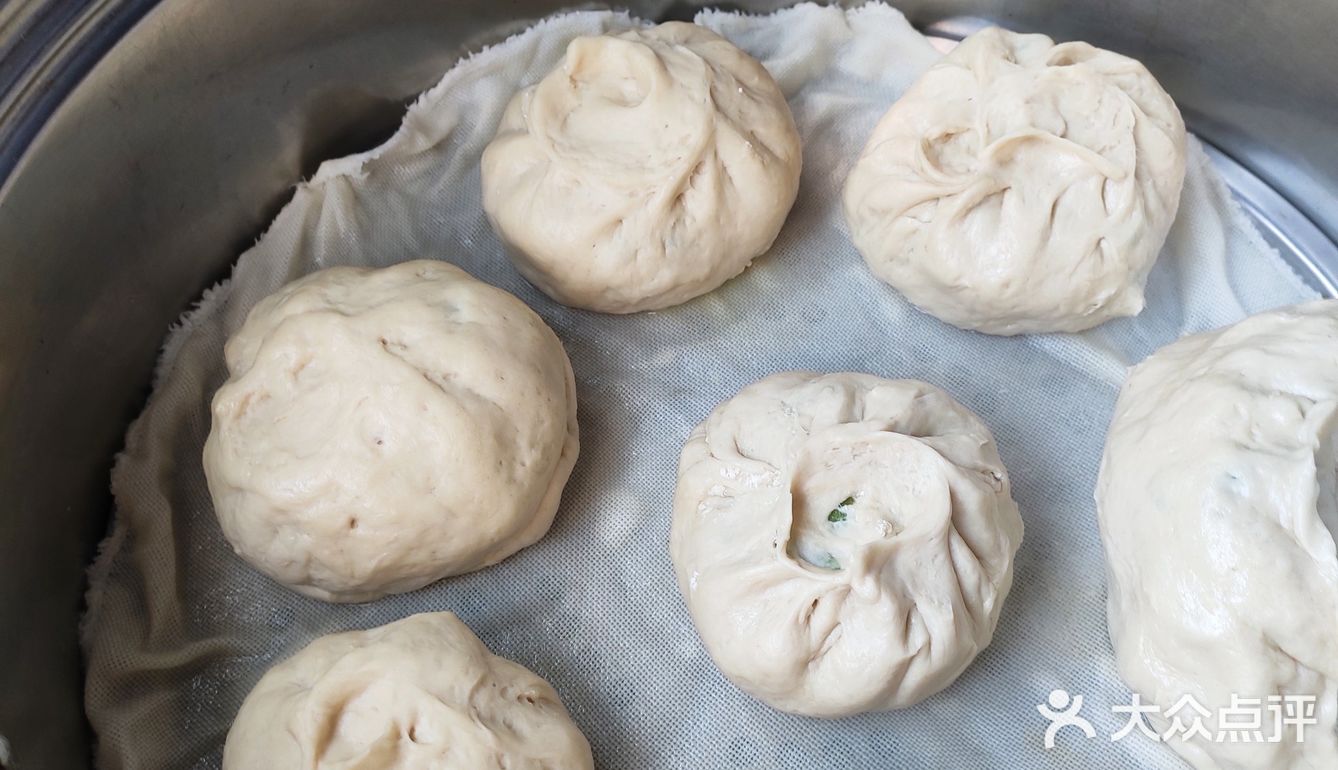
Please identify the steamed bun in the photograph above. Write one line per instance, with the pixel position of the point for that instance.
(1021, 186)
(844, 542)
(1218, 504)
(649, 168)
(383, 429)
(422, 693)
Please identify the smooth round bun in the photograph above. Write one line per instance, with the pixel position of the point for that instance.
(649, 168)
(383, 429)
(844, 542)
(1218, 503)
(422, 693)
(1021, 186)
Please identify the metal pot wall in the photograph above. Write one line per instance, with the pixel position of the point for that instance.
(143, 144)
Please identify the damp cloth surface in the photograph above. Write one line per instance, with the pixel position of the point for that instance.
(179, 628)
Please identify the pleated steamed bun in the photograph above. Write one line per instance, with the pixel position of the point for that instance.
(844, 542)
(422, 693)
(1021, 186)
(648, 168)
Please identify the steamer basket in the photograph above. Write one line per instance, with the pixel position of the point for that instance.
(133, 132)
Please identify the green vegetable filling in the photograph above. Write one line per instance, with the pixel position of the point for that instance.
(839, 512)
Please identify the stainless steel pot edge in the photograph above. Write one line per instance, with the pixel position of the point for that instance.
(46, 48)
(1305, 247)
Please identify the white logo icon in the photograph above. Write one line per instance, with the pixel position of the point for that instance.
(1063, 712)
